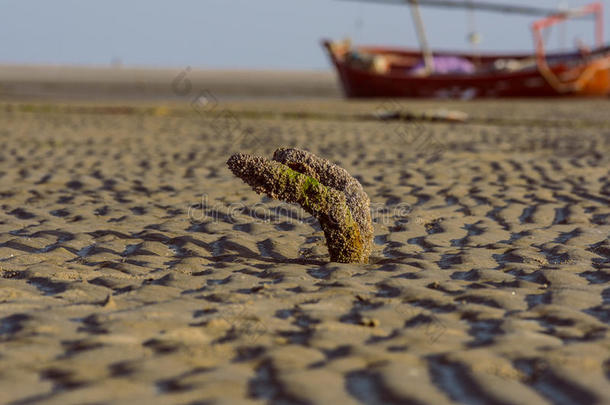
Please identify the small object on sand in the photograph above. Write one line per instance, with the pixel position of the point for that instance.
(441, 115)
(445, 115)
(323, 189)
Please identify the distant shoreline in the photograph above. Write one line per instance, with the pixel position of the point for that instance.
(91, 83)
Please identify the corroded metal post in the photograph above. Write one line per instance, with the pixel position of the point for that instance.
(323, 189)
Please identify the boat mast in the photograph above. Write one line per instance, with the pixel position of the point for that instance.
(476, 5)
(421, 36)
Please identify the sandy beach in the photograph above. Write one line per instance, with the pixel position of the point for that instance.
(132, 84)
(135, 268)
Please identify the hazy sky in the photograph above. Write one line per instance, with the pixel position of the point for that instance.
(263, 34)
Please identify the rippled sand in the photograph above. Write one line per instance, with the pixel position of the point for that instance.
(134, 268)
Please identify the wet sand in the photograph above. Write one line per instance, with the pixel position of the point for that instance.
(101, 83)
(134, 268)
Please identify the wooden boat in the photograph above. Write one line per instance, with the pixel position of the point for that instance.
(394, 72)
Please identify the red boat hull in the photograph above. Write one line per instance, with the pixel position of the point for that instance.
(397, 82)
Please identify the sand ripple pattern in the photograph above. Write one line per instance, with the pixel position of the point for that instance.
(134, 269)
